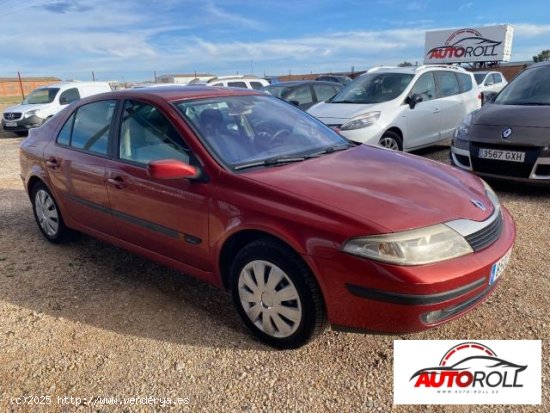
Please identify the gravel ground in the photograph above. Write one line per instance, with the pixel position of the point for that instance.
(87, 320)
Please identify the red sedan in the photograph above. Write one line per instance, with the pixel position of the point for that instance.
(253, 195)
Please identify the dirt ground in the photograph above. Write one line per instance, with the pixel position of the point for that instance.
(85, 321)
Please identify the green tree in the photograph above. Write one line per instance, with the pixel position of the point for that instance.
(542, 56)
(404, 64)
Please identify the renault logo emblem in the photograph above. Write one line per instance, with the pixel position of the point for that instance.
(478, 204)
(506, 133)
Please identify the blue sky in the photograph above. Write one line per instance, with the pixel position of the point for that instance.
(129, 40)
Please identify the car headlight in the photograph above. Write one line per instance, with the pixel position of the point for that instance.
(463, 130)
(32, 113)
(414, 247)
(361, 121)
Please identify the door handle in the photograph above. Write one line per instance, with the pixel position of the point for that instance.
(117, 182)
(437, 110)
(52, 163)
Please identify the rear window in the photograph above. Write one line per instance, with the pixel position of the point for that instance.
(88, 128)
(256, 85)
(237, 84)
(464, 82)
(447, 83)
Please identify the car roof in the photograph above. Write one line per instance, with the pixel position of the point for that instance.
(303, 82)
(174, 93)
(546, 63)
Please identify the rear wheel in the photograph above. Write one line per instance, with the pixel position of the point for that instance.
(276, 295)
(391, 140)
(47, 214)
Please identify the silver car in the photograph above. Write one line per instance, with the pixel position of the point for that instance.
(509, 137)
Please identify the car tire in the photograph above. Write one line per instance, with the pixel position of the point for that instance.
(284, 308)
(391, 140)
(47, 215)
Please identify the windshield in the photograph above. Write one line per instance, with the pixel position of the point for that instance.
(479, 77)
(530, 87)
(245, 130)
(44, 95)
(374, 88)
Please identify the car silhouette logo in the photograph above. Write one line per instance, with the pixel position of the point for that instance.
(506, 133)
(478, 204)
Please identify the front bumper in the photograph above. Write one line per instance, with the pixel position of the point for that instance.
(535, 168)
(366, 295)
(371, 134)
(23, 124)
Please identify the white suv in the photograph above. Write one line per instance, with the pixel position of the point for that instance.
(246, 82)
(402, 108)
(490, 81)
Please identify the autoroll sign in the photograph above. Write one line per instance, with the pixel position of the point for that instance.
(469, 45)
(467, 372)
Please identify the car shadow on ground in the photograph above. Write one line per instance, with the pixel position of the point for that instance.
(91, 282)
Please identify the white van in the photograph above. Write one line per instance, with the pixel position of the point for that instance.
(402, 108)
(45, 102)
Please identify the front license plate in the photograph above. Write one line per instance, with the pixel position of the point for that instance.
(497, 154)
(11, 124)
(498, 267)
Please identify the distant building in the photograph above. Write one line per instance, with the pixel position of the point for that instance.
(9, 86)
(183, 79)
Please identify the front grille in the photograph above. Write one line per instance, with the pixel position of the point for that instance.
(12, 115)
(486, 236)
(506, 168)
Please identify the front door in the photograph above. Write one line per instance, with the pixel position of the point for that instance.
(423, 121)
(169, 217)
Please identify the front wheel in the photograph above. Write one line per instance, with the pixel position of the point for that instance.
(276, 295)
(391, 140)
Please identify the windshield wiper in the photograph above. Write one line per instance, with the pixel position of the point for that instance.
(527, 103)
(270, 162)
(330, 149)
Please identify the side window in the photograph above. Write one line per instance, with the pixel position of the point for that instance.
(237, 84)
(302, 95)
(64, 136)
(447, 83)
(425, 87)
(88, 128)
(69, 96)
(465, 82)
(256, 85)
(324, 92)
(497, 77)
(146, 135)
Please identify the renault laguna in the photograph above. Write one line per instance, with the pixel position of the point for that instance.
(251, 194)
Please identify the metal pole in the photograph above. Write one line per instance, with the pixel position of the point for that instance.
(21, 85)
(93, 76)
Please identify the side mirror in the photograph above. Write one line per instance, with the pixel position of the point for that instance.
(488, 97)
(63, 100)
(413, 100)
(489, 82)
(171, 169)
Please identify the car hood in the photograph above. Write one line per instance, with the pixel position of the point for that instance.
(25, 108)
(396, 191)
(339, 113)
(513, 115)
(529, 125)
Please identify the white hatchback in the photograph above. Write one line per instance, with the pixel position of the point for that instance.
(402, 108)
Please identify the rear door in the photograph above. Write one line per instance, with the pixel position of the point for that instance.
(450, 101)
(169, 217)
(77, 163)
